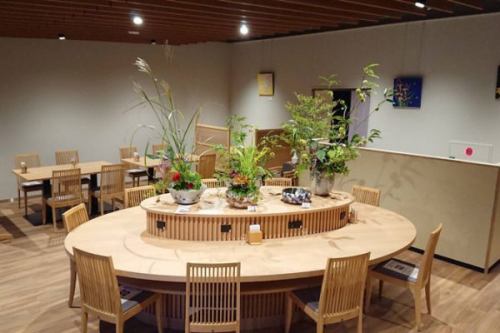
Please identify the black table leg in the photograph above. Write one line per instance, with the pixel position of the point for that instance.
(151, 175)
(46, 192)
(93, 188)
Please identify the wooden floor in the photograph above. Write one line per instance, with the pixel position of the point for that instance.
(34, 280)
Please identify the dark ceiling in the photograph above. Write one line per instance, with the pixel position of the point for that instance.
(194, 21)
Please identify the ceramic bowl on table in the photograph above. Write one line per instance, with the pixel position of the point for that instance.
(295, 195)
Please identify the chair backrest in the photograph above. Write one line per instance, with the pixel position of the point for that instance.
(134, 195)
(366, 195)
(206, 165)
(212, 182)
(67, 157)
(158, 147)
(66, 185)
(112, 179)
(343, 285)
(277, 181)
(127, 152)
(75, 217)
(99, 290)
(208, 285)
(31, 160)
(425, 269)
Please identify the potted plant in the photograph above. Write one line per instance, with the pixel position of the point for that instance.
(176, 172)
(243, 165)
(321, 137)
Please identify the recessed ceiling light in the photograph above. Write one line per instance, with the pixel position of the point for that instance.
(244, 29)
(137, 20)
(153, 41)
(61, 37)
(420, 3)
(133, 32)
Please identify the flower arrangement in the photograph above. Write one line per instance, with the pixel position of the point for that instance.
(320, 136)
(176, 172)
(244, 169)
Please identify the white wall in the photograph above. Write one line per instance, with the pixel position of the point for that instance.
(72, 94)
(457, 58)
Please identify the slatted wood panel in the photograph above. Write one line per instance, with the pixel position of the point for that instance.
(207, 228)
(212, 297)
(134, 195)
(67, 157)
(366, 195)
(207, 135)
(194, 21)
(75, 217)
(279, 182)
(212, 182)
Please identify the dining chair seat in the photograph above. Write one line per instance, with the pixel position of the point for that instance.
(32, 186)
(131, 297)
(398, 269)
(67, 197)
(138, 172)
(309, 297)
(85, 180)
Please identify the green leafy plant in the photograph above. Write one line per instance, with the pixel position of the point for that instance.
(243, 164)
(320, 137)
(176, 169)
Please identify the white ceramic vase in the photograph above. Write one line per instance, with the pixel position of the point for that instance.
(187, 197)
(321, 184)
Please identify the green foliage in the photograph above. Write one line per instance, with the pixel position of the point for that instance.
(243, 165)
(174, 129)
(321, 139)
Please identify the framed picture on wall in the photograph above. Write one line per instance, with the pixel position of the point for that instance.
(497, 91)
(407, 92)
(265, 83)
(324, 93)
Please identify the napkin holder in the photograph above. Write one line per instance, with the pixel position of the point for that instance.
(254, 235)
(24, 167)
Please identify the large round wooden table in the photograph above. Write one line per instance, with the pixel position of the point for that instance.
(268, 270)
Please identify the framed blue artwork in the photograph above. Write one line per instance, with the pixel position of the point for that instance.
(407, 92)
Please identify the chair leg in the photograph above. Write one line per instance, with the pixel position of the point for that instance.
(418, 308)
(101, 202)
(85, 319)
(72, 282)
(159, 314)
(112, 205)
(368, 291)
(360, 322)
(428, 296)
(319, 327)
(18, 198)
(54, 217)
(119, 326)
(44, 211)
(288, 314)
(25, 203)
(380, 288)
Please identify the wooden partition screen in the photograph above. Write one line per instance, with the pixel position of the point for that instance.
(207, 135)
(282, 151)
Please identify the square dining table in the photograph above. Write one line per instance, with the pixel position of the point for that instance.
(151, 163)
(44, 174)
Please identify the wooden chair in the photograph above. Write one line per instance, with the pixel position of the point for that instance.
(102, 296)
(339, 298)
(212, 298)
(206, 165)
(157, 147)
(366, 195)
(413, 277)
(278, 181)
(134, 173)
(134, 195)
(73, 218)
(212, 182)
(67, 157)
(66, 192)
(112, 185)
(31, 161)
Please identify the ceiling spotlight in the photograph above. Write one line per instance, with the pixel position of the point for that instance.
(153, 41)
(137, 20)
(61, 37)
(420, 3)
(244, 29)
